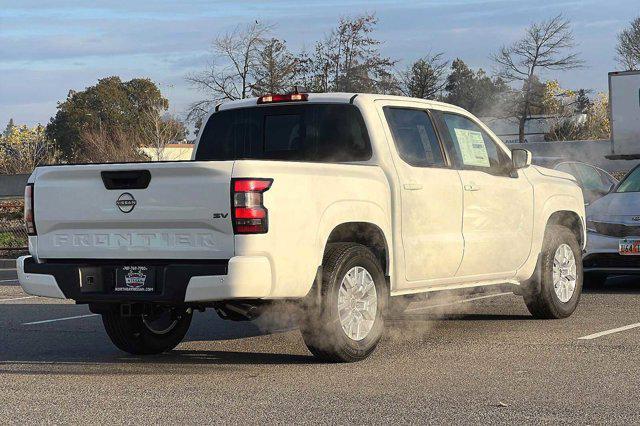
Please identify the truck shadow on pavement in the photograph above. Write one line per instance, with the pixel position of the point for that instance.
(83, 348)
(477, 317)
(176, 361)
(80, 346)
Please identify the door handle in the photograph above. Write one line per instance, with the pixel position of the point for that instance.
(412, 186)
(471, 187)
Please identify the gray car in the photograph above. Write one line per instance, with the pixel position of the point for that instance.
(613, 226)
(594, 181)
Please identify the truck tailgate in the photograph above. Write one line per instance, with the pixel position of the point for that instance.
(183, 212)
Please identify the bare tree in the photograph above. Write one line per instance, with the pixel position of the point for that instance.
(425, 77)
(349, 60)
(112, 145)
(229, 76)
(275, 70)
(546, 45)
(628, 47)
(158, 129)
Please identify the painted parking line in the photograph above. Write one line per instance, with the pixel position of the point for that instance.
(458, 302)
(16, 298)
(607, 332)
(60, 319)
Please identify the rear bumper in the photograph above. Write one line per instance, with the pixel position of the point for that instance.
(37, 284)
(239, 277)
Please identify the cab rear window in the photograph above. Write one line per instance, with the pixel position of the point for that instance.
(307, 132)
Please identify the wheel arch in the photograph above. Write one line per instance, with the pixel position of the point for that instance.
(565, 210)
(363, 222)
(571, 220)
(368, 234)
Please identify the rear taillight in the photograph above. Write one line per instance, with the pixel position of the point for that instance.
(29, 220)
(249, 214)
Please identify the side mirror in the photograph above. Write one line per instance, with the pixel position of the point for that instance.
(520, 158)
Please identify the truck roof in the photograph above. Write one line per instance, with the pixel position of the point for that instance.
(341, 97)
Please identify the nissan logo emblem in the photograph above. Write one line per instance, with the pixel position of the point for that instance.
(126, 202)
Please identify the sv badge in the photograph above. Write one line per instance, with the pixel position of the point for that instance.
(220, 215)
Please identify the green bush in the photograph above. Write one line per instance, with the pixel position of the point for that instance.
(8, 239)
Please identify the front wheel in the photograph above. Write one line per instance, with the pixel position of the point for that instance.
(147, 334)
(561, 276)
(348, 324)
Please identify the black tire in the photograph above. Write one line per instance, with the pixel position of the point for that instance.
(133, 335)
(542, 301)
(320, 326)
(594, 279)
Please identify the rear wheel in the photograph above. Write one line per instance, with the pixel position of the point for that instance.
(560, 288)
(147, 334)
(348, 324)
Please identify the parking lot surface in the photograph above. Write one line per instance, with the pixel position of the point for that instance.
(449, 359)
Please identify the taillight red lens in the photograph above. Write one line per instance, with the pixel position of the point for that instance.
(249, 214)
(29, 220)
(252, 213)
(251, 185)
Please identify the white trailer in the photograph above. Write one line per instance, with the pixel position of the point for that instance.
(624, 102)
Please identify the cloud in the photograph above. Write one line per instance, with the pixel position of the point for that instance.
(47, 50)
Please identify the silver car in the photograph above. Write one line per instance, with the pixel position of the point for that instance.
(613, 226)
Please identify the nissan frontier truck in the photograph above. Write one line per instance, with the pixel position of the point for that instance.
(342, 204)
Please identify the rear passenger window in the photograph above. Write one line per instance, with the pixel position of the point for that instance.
(414, 136)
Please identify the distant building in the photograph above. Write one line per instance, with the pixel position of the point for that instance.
(170, 152)
(535, 127)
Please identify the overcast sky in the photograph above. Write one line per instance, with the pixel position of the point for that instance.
(49, 47)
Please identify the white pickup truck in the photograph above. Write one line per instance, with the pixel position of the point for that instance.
(340, 203)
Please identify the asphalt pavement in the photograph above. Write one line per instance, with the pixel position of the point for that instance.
(459, 360)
